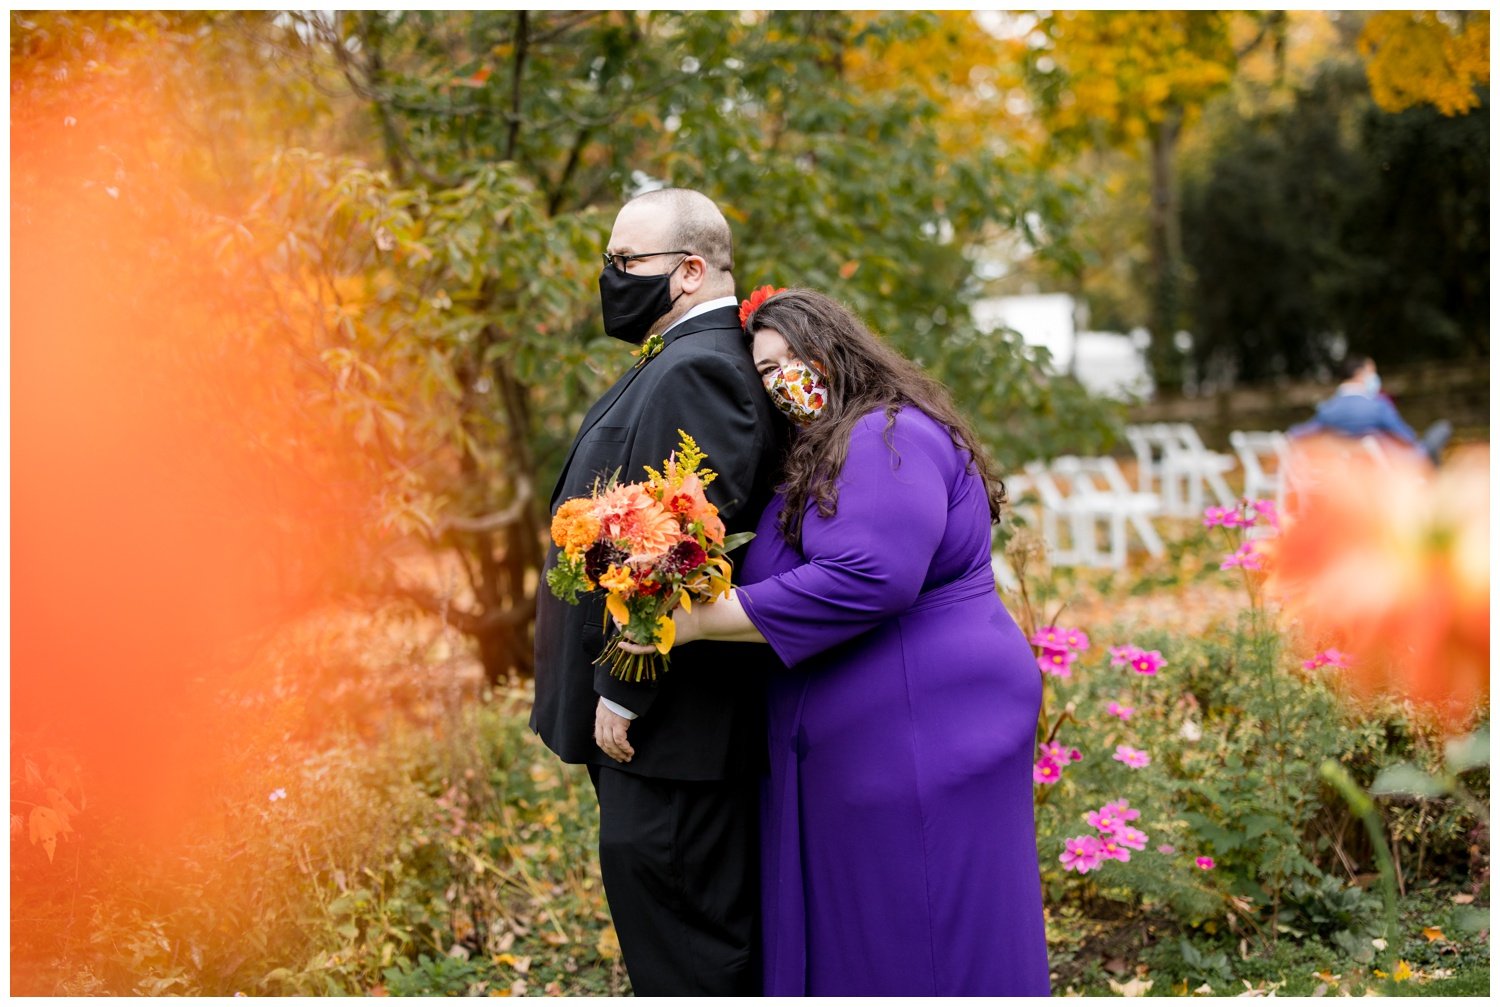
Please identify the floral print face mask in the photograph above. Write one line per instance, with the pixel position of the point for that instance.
(798, 390)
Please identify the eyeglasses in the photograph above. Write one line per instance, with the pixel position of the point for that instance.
(622, 262)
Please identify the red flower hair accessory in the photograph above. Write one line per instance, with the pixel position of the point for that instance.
(757, 297)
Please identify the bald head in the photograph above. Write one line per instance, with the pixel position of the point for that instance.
(690, 220)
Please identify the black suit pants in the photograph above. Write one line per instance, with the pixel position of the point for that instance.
(681, 872)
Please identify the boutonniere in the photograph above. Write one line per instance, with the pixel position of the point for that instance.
(650, 348)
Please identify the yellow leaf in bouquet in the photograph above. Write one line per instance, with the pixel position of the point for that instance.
(687, 602)
(666, 633)
(615, 606)
(718, 587)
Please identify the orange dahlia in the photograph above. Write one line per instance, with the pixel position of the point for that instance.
(630, 515)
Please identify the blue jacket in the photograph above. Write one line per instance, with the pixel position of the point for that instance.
(1355, 414)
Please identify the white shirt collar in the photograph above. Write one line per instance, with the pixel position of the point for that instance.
(698, 309)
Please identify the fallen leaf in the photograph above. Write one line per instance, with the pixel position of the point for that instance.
(1433, 934)
(608, 945)
(45, 825)
(1463, 899)
(1402, 973)
(1204, 990)
(1133, 988)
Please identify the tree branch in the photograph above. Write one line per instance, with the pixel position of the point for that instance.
(496, 521)
(518, 66)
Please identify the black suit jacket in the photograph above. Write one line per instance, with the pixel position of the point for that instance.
(704, 718)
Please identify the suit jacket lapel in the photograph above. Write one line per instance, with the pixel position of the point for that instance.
(719, 318)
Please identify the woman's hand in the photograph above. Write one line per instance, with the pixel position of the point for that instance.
(687, 632)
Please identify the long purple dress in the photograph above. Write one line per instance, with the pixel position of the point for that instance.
(897, 838)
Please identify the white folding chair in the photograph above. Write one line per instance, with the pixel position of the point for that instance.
(1199, 466)
(1255, 448)
(1098, 493)
(1079, 550)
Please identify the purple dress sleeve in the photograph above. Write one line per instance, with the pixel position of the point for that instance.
(868, 561)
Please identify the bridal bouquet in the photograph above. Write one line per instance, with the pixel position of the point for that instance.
(653, 546)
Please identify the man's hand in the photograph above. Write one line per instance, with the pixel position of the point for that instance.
(609, 733)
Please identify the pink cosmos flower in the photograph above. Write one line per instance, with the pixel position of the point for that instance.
(1110, 848)
(1166, 848)
(1121, 809)
(1220, 516)
(1245, 556)
(1123, 712)
(1058, 753)
(1051, 636)
(1132, 757)
(1267, 510)
(1206, 863)
(1119, 656)
(1081, 854)
(1056, 661)
(1337, 658)
(1132, 837)
(1076, 639)
(1045, 771)
(1104, 821)
(1146, 662)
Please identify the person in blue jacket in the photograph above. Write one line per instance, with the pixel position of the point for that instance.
(1359, 409)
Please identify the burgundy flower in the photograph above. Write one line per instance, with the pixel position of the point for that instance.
(600, 557)
(683, 557)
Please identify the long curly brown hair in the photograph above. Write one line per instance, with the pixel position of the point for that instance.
(863, 375)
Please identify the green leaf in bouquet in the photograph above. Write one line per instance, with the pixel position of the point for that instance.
(567, 580)
(733, 542)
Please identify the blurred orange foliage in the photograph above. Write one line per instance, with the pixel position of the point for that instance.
(174, 486)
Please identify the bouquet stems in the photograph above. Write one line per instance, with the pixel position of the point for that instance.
(630, 667)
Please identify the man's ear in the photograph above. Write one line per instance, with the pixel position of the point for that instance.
(694, 272)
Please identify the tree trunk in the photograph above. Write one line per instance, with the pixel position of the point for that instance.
(1166, 253)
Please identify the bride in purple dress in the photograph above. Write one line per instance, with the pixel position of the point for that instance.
(898, 850)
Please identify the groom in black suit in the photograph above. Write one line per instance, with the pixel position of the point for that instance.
(674, 762)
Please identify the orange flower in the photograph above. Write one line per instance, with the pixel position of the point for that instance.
(574, 527)
(617, 580)
(1391, 561)
(629, 514)
(688, 500)
(712, 526)
(759, 296)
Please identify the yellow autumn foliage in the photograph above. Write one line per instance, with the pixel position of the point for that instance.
(1424, 57)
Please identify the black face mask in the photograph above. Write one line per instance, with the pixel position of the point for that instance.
(632, 302)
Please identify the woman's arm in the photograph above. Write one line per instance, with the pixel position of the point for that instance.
(721, 620)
